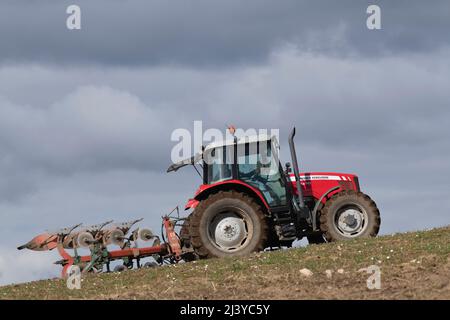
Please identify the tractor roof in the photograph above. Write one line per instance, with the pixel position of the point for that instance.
(241, 140)
(198, 156)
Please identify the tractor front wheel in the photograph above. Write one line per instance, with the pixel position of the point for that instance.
(348, 215)
(227, 223)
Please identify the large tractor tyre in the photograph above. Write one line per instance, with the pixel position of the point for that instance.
(228, 223)
(189, 254)
(184, 232)
(348, 215)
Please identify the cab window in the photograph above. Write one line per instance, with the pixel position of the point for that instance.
(219, 164)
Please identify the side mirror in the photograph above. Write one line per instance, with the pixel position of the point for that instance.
(288, 167)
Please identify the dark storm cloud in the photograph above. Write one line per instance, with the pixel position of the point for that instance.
(213, 33)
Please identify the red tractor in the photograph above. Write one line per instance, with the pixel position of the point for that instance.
(248, 202)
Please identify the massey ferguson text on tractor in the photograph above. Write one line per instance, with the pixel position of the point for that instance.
(246, 203)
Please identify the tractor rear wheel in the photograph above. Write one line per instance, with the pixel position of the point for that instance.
(189, 254)
(227, 223)
(184, 232)
(348, 215)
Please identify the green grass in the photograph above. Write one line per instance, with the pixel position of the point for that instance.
(413, 265)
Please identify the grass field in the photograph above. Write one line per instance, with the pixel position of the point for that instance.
(414, 265)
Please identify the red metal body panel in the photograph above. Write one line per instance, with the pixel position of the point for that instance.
(314, 184)
(134, 252)
(192, 203)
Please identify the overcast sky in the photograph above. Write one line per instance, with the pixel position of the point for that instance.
(86, 115)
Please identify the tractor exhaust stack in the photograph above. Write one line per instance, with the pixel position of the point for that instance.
(301, 202)
(304, 211)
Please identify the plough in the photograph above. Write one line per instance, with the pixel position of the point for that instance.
(97, 238)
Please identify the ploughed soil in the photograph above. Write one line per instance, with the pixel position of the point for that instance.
(414, 265)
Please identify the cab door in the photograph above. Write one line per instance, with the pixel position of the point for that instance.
(258, 166)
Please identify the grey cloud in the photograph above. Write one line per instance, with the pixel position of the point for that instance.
(219, 33)
(92, 127)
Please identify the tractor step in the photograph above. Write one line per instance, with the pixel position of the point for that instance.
(286, 231)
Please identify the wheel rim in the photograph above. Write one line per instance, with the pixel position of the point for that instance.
(230, 230)
(351, 220)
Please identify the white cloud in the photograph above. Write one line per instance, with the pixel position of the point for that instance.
(93, 127)
(21, 266)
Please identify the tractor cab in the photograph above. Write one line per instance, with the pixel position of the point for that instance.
(252, 161)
